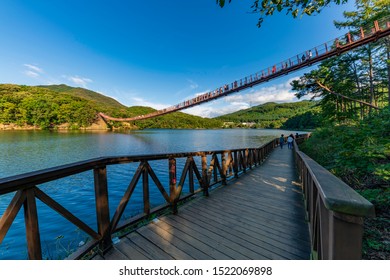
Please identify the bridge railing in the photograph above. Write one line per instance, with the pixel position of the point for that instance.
(355, 38)
(201, 169)
(335, 211)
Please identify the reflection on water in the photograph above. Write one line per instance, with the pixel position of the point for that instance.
(26, 151)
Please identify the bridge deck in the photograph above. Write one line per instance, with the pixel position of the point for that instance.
(258, 216)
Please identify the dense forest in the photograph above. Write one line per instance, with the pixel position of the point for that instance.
(294, 115)
(354, 139)
(61, 106)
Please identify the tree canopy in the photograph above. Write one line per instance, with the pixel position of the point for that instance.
(294, 7)
(353, 84)
(63, 106)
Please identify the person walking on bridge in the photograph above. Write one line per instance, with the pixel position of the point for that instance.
(290, 141)
(281, 141)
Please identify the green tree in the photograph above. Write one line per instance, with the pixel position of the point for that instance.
(352, 84)
(371, 55)
(294, 7)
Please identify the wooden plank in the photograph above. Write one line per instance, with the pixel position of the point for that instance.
(241, 189)
(269, 227)
(237, 242)
(262, 214)
(130, 250)
(192, 238)
(228, 248)
(249, 245)
(260, 237)
(153, 251)
(98, 257)
(288, 220)
(163, 244)
(115, 254)
(267, 206)
(175, 240)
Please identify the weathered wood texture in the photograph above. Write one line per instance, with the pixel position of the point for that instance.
(259, 216)
(335, 212)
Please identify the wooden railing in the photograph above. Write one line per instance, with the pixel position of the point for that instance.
(335, 211)
(214, 167)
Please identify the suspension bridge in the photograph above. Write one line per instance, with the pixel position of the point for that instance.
(352, 40)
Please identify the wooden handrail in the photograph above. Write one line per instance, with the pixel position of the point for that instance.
(334, 210)
(223, 166)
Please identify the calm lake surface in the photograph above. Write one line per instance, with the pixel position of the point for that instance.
(26, 151)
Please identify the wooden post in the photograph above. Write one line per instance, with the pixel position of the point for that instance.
(235, 164)
(172, 184)
(145, 190)
(247, 159)
(191, 175)
(346, 234)
(32, 228)
(349, 38)
(243, 160)
(102, 209)
(205, 180)
(214, 165)
(224, 168)
(250, 158)
(361, 33)
(230, 164)
(376, 26)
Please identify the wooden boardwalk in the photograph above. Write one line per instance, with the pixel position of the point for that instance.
(258, 216)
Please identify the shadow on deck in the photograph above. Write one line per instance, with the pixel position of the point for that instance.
(258, 216)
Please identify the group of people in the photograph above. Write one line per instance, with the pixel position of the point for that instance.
(290, 140)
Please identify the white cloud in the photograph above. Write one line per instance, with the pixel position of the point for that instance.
(79, 80)
(232, 103)
(211, 111)
(33, 68)
(32, 71)
(193, 85)
(277, 93)
(138, 101)
(31, 74)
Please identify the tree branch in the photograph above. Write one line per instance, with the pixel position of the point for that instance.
(346, 97)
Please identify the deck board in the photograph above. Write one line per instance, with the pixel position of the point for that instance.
(263, 238)
(257, 216)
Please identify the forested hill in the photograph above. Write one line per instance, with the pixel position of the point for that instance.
(62, 106)
(98, 98)
(294, 115)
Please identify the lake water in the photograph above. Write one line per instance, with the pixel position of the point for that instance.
(26, 151)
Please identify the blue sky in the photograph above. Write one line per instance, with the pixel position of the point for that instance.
(155, 53)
